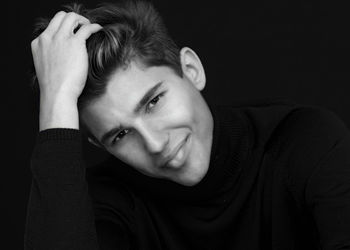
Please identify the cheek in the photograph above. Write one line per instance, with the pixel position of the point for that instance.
(180, 109)
(180, 115)
(132, 154)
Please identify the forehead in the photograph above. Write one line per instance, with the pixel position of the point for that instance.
(132, 79)
(125, 88)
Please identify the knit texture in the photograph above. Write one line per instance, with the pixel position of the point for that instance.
(279, 178)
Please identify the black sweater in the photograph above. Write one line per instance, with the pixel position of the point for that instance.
(279, 178)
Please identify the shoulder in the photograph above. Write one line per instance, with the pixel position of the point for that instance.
(267, 119)
(289, 123)
(303, 141)
(307, 133)
(312, 127)
(319, 119)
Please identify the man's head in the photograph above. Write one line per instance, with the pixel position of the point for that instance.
(141, 101)
(132, 30)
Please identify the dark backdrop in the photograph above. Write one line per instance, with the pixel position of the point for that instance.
(250, 49)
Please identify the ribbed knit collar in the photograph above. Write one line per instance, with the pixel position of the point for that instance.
(229, 148)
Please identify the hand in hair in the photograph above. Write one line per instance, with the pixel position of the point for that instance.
(61, 64)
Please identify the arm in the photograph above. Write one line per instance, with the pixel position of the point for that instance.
(60, 213)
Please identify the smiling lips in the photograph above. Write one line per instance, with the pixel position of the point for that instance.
(177, 156)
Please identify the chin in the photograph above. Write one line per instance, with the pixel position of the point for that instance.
(189, 182)
(190, 179)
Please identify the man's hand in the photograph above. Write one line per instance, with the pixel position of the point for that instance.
(61, 65)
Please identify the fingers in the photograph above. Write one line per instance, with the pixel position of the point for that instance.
(86, 30)
(70, 21)
(55, 22)
(64, 24)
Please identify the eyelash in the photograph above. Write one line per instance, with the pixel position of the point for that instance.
(150, 102)
(148, 110)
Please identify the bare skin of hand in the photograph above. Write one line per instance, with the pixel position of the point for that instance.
(61, 65)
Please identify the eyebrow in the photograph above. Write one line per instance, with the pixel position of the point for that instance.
(144, 100)
(149, 94)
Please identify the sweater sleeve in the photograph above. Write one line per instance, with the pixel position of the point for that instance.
(60, 212)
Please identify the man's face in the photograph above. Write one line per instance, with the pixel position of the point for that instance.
(157, 122)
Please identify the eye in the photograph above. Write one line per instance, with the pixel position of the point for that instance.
(153, 102)
(120, 135)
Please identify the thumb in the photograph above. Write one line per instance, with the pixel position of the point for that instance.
(86, 30)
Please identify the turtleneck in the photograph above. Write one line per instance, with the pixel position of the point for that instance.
(229, 147)
(263, 160)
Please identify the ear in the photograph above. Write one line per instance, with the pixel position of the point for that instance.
(94, 142)
(192, 68)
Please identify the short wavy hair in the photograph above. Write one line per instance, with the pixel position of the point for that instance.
(132, 30)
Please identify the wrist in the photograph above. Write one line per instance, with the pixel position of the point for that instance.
(58, 112)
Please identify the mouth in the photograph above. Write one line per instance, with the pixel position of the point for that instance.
(177, 156)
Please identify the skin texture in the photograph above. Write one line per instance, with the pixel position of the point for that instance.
(61, 65)
(171, 136)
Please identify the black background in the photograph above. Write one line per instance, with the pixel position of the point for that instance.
(250, 49)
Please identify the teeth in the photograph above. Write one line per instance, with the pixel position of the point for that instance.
(177, 160)
(179, 154)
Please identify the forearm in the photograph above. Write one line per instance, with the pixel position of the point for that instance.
(60, 214)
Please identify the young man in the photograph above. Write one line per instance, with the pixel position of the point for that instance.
(182, 174)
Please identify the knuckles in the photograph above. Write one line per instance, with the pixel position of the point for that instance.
(71, 15)
(60, 13)
(42, 39)
(47, 38)
(64, 16)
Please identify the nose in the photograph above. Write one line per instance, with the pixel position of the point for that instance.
(154, 140)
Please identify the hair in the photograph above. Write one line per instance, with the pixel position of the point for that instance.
(132, 30)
